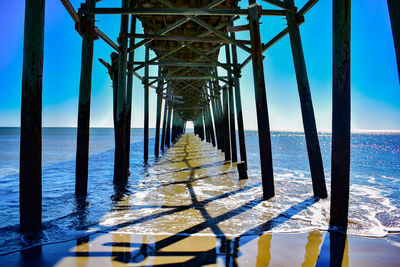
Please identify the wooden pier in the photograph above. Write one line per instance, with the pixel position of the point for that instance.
(188, 38)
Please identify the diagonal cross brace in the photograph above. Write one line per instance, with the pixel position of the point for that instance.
(210, 28)
(172, 26)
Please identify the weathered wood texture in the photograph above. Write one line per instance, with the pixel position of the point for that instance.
(30, 175)
(158, 117)
(227, 145)
(120, 164)
(85, 88)
(232, 127)
(146, 107)
(238, 102)
(264, 135)
(307, 111)
(340, 166)
(129, 88)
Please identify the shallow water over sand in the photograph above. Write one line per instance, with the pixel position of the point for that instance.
(191, 190)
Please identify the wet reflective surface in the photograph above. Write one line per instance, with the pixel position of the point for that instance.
(191, 209)
(307, 249)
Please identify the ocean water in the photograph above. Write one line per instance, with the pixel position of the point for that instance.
(374, 199)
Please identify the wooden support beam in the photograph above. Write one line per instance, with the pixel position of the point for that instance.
(114, 78)
(215, 116)
(168, 130)
(210, 123)
(146, 107)
(120, 165)
(340, 165)
(264, 135)
(283, 33)
(131, 58)
(307, 111)
(176, 49)
(231, 108)
(174, 25)
(239, 115)
(209, 27)
(158, 117)
(282, 5)
(30, 174)
(179, 64)
(394, 11)
(68, 6)
(183, 38)
(307, 6)
(85, 88)
(227, 145)
(217, 92)
(186, 77)
(164, 127)
(105, 38)
(177, 11)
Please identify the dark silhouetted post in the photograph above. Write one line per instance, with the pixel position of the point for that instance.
(307, 111)
(85, 87)
(168, 131)
(394, 11)
(264, 135)
(215, 114)
(239, 115)
(30, 175)
(158, 116)
(227, 144)
(120, 164)
(340, 180)
(129, 93)
(164, 127)
(114, 78)
(231, 108)
(146, 107)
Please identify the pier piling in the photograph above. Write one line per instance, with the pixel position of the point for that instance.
(30, 175)
(340, 166)
(120, 164)
(85, 88)
(227, 145)
(158, 116)
(146, 107)
(232, 127)
(129, 88)
(238, 102)
(307, 111)
(264, 135)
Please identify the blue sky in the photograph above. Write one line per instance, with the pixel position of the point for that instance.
(375, 82)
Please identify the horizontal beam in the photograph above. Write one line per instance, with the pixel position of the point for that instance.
(170, 95)
(173, 100)
(184, 108)
(177, 11)
(180, 64)
(182, 38)
(186, 77)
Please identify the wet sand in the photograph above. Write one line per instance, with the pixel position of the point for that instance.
(306, 249)
(181, 220)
